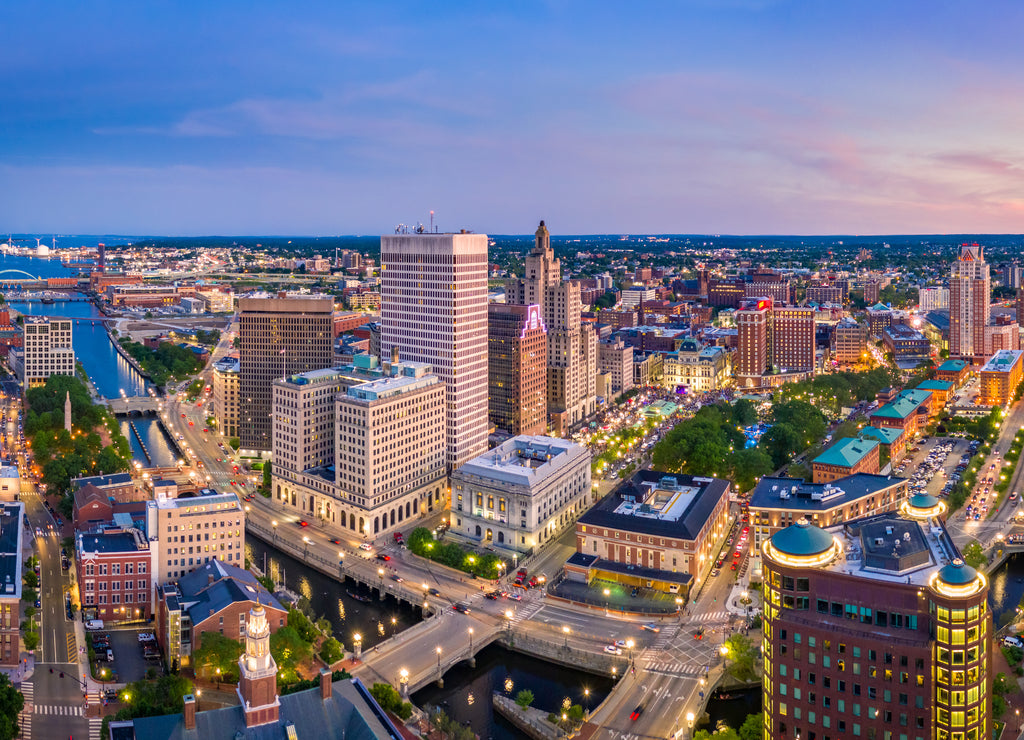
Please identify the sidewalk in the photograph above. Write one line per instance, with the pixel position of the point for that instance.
(24, 670)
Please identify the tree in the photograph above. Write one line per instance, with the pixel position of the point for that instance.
(726, 733)
(752, 727)
(217, 651)
(289, 651)
(11, 703)
(974, 555)
(330, 651)
(744, 412)
(781, 442)
(748, 465)
(524, 698)
(235, 443)
(390, 700)
(742, 656)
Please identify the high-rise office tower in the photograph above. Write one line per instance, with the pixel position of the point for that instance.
(1020, 306)
(791, 348)
(47, 349)
(969, 310)
(434, 310)
(277, 336)
(572, 347)
(752, 339)
(517, 362)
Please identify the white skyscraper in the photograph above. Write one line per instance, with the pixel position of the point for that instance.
(434, 310)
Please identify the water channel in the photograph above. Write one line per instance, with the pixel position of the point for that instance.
(373, 619)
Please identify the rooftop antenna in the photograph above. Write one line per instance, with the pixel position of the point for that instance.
(432, 223)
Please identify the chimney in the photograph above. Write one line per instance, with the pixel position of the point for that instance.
(325, 683)
(190, 712)
(209, 579)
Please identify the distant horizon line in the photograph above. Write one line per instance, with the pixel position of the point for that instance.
(619, 234)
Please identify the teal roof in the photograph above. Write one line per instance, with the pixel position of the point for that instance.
(847, 452)
(923, 501)
(879, 307)
(958, 573)
(936, 385)
(885, 435)
(802, 539)
(905, 403)
(952, 366)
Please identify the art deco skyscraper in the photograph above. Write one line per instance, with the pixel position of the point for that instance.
(572, 347)
(434, 310)
(970, 290)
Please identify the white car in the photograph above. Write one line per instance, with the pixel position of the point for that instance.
(366, 546)
(1013, 642)
(613, 650)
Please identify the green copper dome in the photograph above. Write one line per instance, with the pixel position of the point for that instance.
(958, 573)
(802, 539)
(923, 501)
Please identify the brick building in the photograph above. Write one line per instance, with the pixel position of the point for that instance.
(654, 531)
(875, 628)
(115, 570)
(846, 457)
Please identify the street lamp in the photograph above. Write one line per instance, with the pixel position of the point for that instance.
(306, 552)
(565, 631)
(380, 572)
(274, 524)
(508, 620)
(629, 644)
(341, 562)
(471, 642)
(357, 646)
(403, 683)
(689, 724)
(438, 649)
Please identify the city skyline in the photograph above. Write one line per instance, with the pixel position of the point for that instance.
(741, 117)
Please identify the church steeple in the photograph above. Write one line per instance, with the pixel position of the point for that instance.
(257, 685)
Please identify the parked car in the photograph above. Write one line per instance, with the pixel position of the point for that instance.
(613, 650)
(94, 624)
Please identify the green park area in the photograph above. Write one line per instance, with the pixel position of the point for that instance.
(94, 446)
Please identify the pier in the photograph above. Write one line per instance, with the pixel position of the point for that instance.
(142, 443)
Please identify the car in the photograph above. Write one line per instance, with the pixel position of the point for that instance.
(461, 608)
(621, 643)
(715, 572)
(191, 423)
(733, 566)
(613, 649)
(335, 540)
(1011, 641)
(382, 556)
(433, 592)
(366, 546)
(183, 416)
(514, 595)
(205, 430)
(492, 595)
(652, 627)
(301, 522)
(94, 624)
(637, 711)
(396, 578)
(38, 603)
(146, 636)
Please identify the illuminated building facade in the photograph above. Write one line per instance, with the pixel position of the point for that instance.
(875, 628)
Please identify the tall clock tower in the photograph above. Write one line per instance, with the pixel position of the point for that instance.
(257, 685)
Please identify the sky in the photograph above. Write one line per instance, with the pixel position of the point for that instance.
(185, 117)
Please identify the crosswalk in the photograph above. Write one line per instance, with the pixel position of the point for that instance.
(716, 616)
(676, 668)
(25, 717)
(665, 637)
(526, 611)
(95, 727)
(60, 709)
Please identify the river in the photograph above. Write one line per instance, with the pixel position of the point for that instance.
(374, 620)
(466, 695)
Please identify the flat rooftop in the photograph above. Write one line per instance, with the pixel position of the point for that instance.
(10, 549)
(893, 548)
(799, 495)
(1002, 361)
(524, 460)
(660, 504)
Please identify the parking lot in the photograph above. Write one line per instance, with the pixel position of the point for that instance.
(936, 465)
(129, 662)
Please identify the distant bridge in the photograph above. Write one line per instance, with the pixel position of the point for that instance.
(134, 406)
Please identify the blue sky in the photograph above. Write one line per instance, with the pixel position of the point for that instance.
(699, 116)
